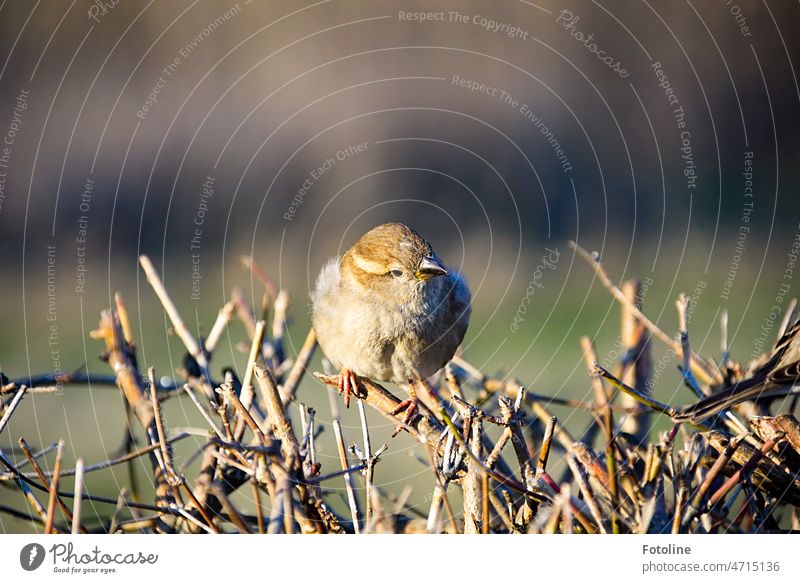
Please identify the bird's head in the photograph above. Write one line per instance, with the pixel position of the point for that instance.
(392, 260)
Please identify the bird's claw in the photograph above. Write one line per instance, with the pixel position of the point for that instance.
(410, 406)
(348, 385)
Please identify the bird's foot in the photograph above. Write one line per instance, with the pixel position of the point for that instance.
(348, 385)
(410, 406)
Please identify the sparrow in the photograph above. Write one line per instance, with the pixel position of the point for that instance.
(777, 377)
(388, 309)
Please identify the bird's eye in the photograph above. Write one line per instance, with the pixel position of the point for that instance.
(396, 272)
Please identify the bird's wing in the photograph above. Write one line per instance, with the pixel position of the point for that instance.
(461, 302)
(326, 286)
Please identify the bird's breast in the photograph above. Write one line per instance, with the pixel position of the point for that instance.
(388, 340)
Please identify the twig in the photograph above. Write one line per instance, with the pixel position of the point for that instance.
(41, 453)
(638, 395)
(502, 511)
(307, 415)
(244, 311)
(286, 503)
(103, 499)
(196, 522)
(360, 466)
(682, 305)
(473, 371)
(680, 503)
(437, 497)
(76, 378)
(504, 480)
(426, 428)
(317, 515)
(276, 504)
(560, 500)
(117, 511)
(204, 412)
(700, 367)
(745, 469)
(128, 379)
(76, 507)
(696, 505)
(348, 481)
(635, 365)
(441, 483)
(496, 452)
(29, 495)
(220, 324)
(590, 356)
(112, 462)
(206, 476)
(124, 320)
(511, 415)
(42, 476)
(248, 388)
(181, 330)
(471, 483)
(12, 406)
(230, 397)
(51, 505)
(281, 305)
(370, 466)
(586, 491)
(14, 513)
(248, 263)
(292, 382)
(547, 441)
(31, 390)
(229, 461)
(259, 507)
(141, 523)
(162, 441)
(485, 502)
(199, 505)
(219, 492)
(276, 413)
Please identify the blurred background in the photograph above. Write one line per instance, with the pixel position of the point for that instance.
(663, 135)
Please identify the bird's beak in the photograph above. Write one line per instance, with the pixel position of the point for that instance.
(430, 267)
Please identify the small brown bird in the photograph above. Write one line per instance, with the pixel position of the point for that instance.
(389, 310)
(777, 377)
